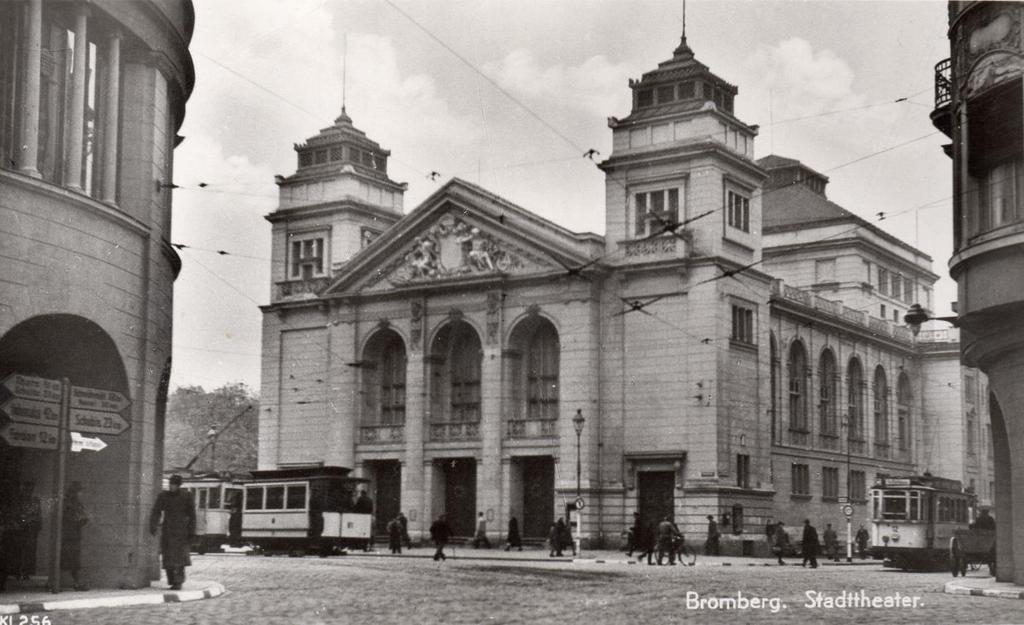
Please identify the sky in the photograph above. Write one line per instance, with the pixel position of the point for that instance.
(508, 95)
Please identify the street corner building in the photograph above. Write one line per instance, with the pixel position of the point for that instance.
(978, 105)
(729, 347)
(91, 97)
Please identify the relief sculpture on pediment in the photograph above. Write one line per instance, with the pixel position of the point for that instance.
(452, 248)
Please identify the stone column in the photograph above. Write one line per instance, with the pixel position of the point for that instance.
(28, 161)
(110, 122)
(413, 477)
(76, 110)
(1004, 380)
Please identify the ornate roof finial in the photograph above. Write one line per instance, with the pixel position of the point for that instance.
(344, 81)
(684, 49)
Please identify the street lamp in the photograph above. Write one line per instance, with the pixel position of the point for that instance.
(849, 526)
(211, 436)
(917, 315)
(577, 424)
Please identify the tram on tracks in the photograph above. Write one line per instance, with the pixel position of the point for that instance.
(915, 518)
(294, 510)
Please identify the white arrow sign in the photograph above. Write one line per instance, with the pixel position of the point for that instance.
(98, 399)
(79, 442)
(21, 410)
(97, 422)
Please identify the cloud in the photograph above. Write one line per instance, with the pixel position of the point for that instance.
(804, 82)
(595, 86)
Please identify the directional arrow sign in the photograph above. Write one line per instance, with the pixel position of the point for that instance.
(26, 435)
(98, 399)
(31, 387)
(79, 442)
(34, 411)
(97, 422)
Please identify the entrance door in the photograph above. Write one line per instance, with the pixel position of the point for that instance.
(387, 476)
(656, 494)
(538, 496)
(460, 495)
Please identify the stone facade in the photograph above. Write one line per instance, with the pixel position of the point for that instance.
(89, 269)
(447, 360)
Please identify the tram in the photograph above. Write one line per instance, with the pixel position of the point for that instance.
(218, 503)
(914, 519)
(304, 510)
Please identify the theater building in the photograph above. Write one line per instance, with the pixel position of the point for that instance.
(91, 97)
(728, 343)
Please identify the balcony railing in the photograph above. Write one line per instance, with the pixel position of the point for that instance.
(943, 84)
(532, 428)
(391, 433)
(455, 431)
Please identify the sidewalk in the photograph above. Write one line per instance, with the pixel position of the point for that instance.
(32, 596)
(984, 587)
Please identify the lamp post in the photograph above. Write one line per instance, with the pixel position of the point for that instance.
(577, 424)
(211, 437)
(849, 526)
(917, 315)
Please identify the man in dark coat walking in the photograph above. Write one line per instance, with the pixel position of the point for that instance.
(178, 512)
(810, 545)
(711, 545)
(395, 535)
(514, 539)
(440, 532)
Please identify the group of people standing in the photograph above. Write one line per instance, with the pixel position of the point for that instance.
(810, 544)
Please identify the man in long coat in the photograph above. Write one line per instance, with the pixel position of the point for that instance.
(179, 524)
(440, 532)
(810, 545)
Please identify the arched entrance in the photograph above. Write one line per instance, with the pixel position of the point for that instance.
(68, 346)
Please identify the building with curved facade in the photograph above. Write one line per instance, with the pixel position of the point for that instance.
(978, 104)
(91, 97)
(728, 345)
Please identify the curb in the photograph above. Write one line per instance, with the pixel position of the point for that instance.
(954, 588)
(115, 601)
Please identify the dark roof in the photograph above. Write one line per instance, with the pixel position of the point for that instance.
(773, 161)
(796, 205)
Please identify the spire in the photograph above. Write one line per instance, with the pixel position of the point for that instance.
(344, 78)
(683, 52)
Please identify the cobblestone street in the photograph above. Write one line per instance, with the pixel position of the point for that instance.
(371, 589)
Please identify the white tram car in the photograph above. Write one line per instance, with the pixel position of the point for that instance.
(914, 518)
(218, 503)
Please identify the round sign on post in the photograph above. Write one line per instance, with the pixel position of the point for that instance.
(579, 503)
(848, 510)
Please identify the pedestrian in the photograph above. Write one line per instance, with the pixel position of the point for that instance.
(7, 535)
(364, 505)
(514, 539)
(667, 534)
(711, 545)
(405, 531)
(440, 532)
(565, 537)
(809, 546)
(984, 521)
(394, 528)
(28, 522)
(831, 543)
(174, 514)
(862, 542)
(74, 519)
(647, 543)
(633, 542)
(480, 537)
(780, 542)
(554, 541)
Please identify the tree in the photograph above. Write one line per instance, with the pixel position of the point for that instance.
(191, 414)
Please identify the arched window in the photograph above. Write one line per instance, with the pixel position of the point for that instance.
(904, 398)
(827, 392)
(855, 404)
(880, 392)
(797, 370)
(774, 376)
(455, 374)
(383, 367)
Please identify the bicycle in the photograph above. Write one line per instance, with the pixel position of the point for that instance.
(686, 554)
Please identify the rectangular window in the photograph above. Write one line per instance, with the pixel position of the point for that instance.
(742, 324)
(254, 498)
(883, 281)
(856, 485)
(275, 498)
(655, 212)
(307, 258)
(801, 477)
(214, 500)
(971, 438)
(908, 290)
(881, 314)
(738, 210)
(296, 497)
(686, 90)
(202, 498)
(867, 270)
(897, 285)
(666, 94)
(644, 98)
(829, 483)
(895, 315)
(743, 471)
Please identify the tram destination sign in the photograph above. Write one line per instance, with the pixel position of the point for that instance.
(28, 435)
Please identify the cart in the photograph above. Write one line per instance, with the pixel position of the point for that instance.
(971, 548)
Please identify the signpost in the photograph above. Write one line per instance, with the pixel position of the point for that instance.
(848, 511)
(41, 414)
